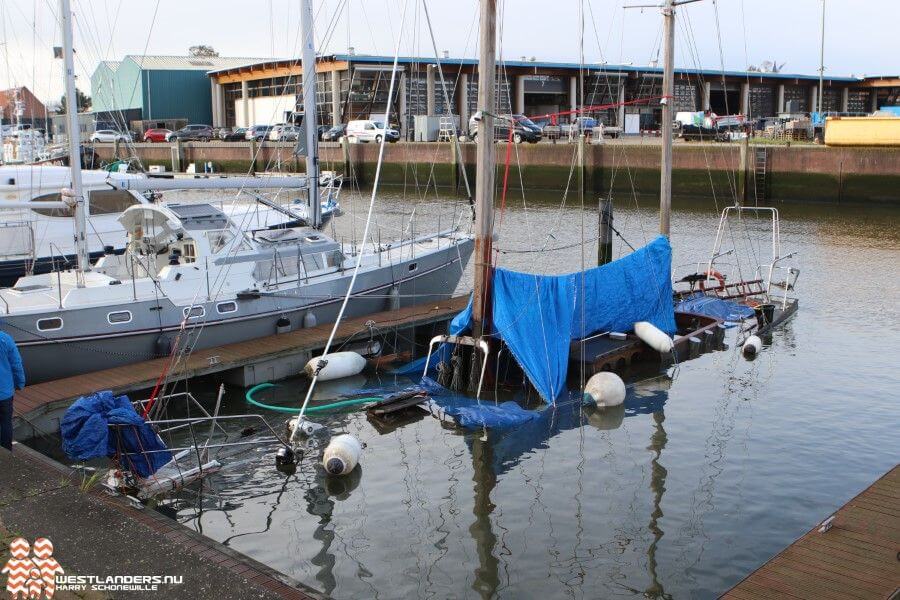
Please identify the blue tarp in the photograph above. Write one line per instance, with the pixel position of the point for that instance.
(727, 310)
(87, 434)
(537, 316)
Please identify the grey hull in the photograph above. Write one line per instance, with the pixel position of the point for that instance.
(155, 326)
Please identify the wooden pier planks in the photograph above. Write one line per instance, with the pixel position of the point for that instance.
(859, 557)
(222, 358)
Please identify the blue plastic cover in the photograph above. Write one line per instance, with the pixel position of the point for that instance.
(537, 316)
(86, 434)
(726, 310)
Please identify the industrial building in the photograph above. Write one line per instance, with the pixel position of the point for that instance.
(155, 91)
(19, 105)
(353, 86)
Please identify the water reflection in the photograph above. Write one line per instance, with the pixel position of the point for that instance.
(495, 453)
(320, 502)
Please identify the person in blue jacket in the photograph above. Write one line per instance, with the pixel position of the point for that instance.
(12, 378)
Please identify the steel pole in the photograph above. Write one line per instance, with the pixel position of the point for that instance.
(81, 208)
(310, 121)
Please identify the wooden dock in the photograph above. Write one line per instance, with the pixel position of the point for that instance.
(36, 400)
(858, 557)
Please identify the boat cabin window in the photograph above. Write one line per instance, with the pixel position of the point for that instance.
(194, 312)
(122, 316)
(51, 324)
(226, 307)
(334, 259)
(52, 212)
(108, 202)
(312, 262)
(189, 252)
(413, 266)
(218, 240)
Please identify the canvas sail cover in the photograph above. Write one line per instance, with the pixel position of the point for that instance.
(537, 316)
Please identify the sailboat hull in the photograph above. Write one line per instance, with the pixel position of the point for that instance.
(91, 343)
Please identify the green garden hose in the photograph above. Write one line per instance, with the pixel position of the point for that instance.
(310, 409)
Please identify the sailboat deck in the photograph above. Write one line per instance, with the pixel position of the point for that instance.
(42, 397)
(856, 558)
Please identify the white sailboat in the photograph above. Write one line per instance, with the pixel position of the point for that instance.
(192, 267)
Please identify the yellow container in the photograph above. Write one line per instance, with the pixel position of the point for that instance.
(862, 131)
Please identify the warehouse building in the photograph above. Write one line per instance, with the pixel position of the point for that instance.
(154, 91)
(355, 86)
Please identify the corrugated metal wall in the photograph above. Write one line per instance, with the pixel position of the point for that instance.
(175, 94)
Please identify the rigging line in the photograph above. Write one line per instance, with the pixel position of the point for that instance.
(359, 257)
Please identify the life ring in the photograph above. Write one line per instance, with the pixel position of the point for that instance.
(715, 275)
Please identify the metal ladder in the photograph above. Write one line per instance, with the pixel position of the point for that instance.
(760, 173)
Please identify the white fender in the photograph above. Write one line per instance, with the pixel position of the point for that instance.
(342, 455)
(340, 364)
(653, 337)
(752, 346)
(605, 389)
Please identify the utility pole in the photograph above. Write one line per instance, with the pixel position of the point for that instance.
(81, 208)
(665, 168)
(484, 173)
(310, 122)
(820, 106)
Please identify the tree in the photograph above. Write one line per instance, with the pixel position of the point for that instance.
(202, 50)
(83, 101)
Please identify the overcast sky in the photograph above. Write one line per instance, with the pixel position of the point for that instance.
(861, 36)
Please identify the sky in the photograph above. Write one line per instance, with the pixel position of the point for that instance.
(860, 35)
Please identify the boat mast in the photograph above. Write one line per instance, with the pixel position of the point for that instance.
(310, 122)
(668, 92)
(81, 208)
(484, 170)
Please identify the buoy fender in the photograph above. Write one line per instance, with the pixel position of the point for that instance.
(605, 389)
(341, 455)
(752, 346)
(339, 365)
(654, 337)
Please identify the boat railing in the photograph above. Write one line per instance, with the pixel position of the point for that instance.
(29, 249)
(788, 284)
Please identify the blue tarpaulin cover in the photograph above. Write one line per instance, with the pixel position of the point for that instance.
(537, 316)
(86, 433)
(727, 310)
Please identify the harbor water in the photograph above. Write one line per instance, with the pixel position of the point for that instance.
(713, 467)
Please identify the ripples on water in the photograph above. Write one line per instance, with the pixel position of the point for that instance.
(701, 480)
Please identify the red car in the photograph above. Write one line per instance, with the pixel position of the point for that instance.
(156, 135)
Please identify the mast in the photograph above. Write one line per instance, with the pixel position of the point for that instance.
(819, 106)
(81, 208)
(484, 169)
(665, 174)
(310, 121)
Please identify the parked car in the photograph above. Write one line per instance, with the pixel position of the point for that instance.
(258, 132)
(524, 130)
(238, 134)
(334, 134)
(110, 136)
(371, 131)
(202, 133)
(284, 133)
(157, 135)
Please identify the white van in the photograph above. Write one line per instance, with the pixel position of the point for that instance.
(371, 131)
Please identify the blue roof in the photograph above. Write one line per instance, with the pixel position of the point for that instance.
(369, 58)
